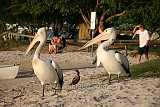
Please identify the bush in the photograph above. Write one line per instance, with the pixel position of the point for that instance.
(9, 44)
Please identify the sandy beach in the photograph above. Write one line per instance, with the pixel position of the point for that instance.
(26, 91)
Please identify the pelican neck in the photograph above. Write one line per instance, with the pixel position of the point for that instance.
(38, 50)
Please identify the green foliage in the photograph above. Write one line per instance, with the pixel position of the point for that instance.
(146, 14)
(42, 12)
(125, 27)
(9, 44)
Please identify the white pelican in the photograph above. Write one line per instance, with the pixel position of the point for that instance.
(114, 62)
(48, 72)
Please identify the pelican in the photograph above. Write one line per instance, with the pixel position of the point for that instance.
(114, 62)
(47, 72)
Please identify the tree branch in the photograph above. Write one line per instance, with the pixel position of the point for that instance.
(119, 14)
(80, 12)
(116, 15)
(74, 9)
(10, 7)
(97, 4)
(85, 18)
(103, 16)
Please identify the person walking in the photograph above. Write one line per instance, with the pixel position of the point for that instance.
(143, 42)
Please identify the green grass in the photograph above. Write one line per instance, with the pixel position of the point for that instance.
(9, 44)
(146, 69)
(155, 50)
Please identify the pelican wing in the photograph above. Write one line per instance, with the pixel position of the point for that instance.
(45, 72)
(56, 66)
(59, 71)
(123, 61)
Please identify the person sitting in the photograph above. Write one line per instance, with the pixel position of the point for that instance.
(55, 44)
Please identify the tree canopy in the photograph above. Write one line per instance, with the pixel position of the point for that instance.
(109, 12)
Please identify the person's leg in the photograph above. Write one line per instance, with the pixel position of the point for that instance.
(50, 49)
(146, 57)
(139, 58)
(140, 53)
(146, 52)
(55, 49)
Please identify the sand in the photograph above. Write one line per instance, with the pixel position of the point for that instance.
(26, 91)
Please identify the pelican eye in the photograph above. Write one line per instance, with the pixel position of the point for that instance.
(105, 30)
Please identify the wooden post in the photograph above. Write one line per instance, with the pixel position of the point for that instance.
(92, 45)
(126, 49)
(93, 21)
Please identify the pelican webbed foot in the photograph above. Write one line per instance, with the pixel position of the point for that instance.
(54, 91)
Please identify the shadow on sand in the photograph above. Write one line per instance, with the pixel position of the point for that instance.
(26, 74)
(65, 69)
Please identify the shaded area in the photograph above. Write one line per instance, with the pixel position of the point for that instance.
(73, 68)
(26, 74)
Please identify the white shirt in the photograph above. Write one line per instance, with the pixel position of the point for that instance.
(143, 37)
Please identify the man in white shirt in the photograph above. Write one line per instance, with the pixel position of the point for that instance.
(143, 41)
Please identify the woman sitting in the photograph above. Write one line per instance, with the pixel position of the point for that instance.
(55, 44)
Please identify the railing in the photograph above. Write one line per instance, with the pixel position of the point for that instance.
(124, 43)
(15, 36)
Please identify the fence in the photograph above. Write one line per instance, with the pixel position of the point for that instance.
(15, 36)
(124, 43)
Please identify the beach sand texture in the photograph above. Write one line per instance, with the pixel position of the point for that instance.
(26, 91)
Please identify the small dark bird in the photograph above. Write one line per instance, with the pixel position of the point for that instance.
(76, 79)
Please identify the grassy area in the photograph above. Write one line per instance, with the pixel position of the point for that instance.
(146, 69)
(155, 50)
(10, 44)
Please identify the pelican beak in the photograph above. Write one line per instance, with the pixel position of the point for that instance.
(100, 37)
(36, 38)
